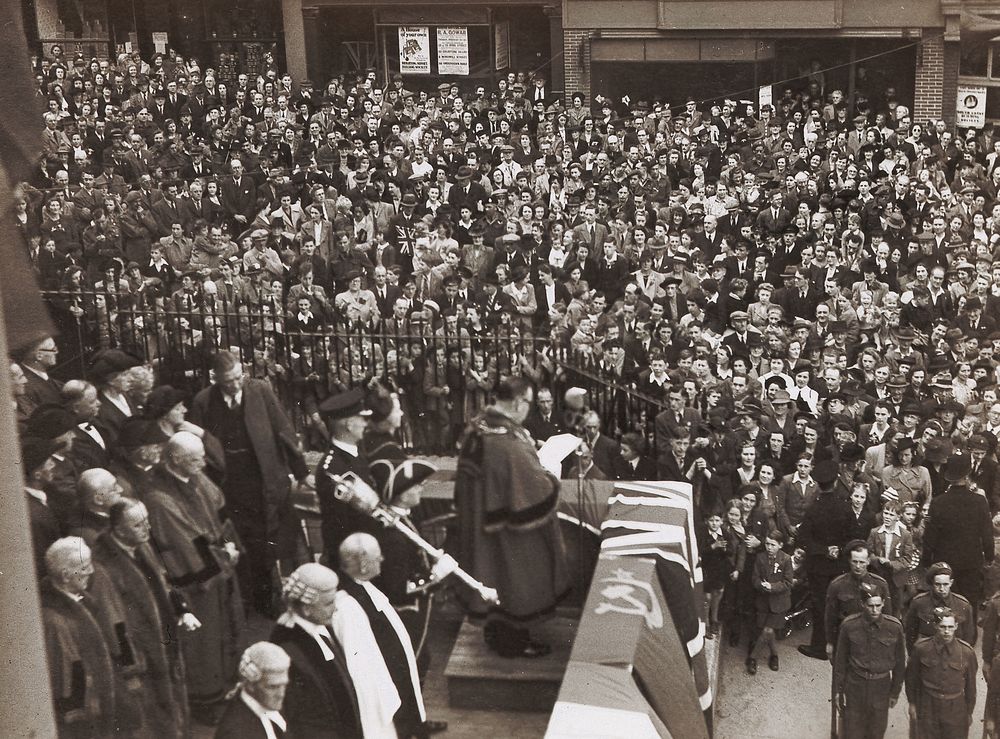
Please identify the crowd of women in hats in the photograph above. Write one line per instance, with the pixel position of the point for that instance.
(807, 289)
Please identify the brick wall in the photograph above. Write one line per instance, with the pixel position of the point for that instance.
(949, 88)
(928, 95)
(576, 79)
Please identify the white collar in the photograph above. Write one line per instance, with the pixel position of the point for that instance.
(318, 632)
(118, 400)
(44, 375)
(351, 449)
(37, 494)
(266, 716)
(895, 530)
(171, 470)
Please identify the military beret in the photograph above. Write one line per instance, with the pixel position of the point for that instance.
(938, 568)
(978, 442)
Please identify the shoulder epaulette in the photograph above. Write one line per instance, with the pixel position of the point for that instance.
(485, 428)
(891, 618)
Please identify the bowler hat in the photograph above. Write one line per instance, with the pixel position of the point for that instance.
(35, 451)
(162, 400)
(49, 421)
(110, 362)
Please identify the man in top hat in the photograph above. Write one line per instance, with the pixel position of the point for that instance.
(37, 456)
(347, 419)
(919, 621)
(261, 451)
(822, 534)
(960, 531)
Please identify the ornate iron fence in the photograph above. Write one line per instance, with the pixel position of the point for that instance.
(443, 375)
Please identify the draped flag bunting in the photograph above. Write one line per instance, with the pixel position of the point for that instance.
(638, 666)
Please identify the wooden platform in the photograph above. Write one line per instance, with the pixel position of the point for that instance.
(480, 679)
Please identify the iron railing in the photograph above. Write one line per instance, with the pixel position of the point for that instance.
(443, 376)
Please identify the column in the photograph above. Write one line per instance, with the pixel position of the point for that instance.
(556, 76)
(295, 42)
(314, 55)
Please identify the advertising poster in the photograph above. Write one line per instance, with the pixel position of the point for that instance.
(414, 50)
(970, 108)
(453, 50)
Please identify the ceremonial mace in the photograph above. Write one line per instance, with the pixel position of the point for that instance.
(359, 495)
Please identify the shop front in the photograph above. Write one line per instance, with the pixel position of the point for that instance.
(677, 49)
(470, 43)
(979, 66)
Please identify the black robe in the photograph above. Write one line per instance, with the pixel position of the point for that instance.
(320, 702)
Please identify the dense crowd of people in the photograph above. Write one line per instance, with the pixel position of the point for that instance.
(793, 304)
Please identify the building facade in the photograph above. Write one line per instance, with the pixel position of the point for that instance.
(675, 49)
(918, 52)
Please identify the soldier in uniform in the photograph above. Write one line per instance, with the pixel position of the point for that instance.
(847, 592)
(919, 620)
(991, 634)
(941, 682)
(348, 419)
(868, 667)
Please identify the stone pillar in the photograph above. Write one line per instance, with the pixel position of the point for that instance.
(928, 93)
(557, 76)
(311, 36)
(576, 64)
(295, 40)
(47, 14)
